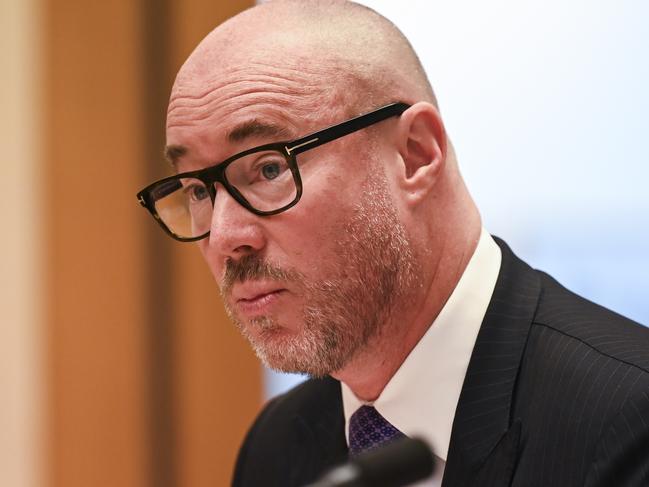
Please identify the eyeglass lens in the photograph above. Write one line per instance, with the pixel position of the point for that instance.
(264, 179)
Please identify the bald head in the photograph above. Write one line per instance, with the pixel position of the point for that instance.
(337, 51)
(367, 200)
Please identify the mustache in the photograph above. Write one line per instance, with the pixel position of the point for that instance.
(253, 267)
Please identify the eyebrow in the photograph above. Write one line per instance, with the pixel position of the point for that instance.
(174, 152)
(257, 128)
(243, 131)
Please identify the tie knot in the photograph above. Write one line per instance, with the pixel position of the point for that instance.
(369, 430)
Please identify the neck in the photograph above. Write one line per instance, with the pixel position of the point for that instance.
(371, 368)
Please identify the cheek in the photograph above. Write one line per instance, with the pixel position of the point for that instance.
(316, 222)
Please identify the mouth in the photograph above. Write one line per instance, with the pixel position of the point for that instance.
(255, 302)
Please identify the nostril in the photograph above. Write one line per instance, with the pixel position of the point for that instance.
(244, 249)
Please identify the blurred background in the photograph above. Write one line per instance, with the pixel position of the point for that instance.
(117, 365)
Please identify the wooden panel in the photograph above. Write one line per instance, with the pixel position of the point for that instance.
(218, 378)
(21, 329)
(148, 382)
(218, 381)
(96, 318)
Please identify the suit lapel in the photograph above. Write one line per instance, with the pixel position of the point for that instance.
(320, 430)
(484, 441)
(498, 469)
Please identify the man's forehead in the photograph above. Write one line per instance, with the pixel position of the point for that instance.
(265, 101)
(252, 78)
(232, 87)
(254, 127)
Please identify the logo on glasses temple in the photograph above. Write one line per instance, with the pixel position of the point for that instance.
(300, 145)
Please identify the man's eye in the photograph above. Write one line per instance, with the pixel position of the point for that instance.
(197, 192)
(271, 170)
(266, 168)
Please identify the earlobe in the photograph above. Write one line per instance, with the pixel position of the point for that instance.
(422, 145)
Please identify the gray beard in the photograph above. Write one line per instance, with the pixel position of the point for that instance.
(374, 272)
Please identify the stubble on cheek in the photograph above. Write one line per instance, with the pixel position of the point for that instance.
(371, 266)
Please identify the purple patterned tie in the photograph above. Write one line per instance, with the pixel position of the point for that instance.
(369, 430)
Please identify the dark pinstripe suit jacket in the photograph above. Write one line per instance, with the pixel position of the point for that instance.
(556, 394)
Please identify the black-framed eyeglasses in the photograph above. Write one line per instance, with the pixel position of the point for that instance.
(265, 180)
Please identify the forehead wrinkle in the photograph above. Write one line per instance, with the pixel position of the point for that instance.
(301, 69)
(300, 80)
(224, 99)
(298, 86)
(234, 95)
(282, 107)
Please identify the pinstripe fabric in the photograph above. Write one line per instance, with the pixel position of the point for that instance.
(556, 394)
(573, 375)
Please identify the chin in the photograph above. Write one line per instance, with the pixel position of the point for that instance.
(285, 352)
(297, 355)
(282, 350)
(301, 349)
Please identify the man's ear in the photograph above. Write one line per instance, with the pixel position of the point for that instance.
(422, 145)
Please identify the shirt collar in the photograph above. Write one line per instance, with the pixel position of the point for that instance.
(421, 398)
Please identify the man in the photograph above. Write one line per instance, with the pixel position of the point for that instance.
(347, 247)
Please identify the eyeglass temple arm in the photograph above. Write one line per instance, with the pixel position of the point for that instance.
(336, 131)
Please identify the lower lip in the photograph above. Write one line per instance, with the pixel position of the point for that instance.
(259, 305)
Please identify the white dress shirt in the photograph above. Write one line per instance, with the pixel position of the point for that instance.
(421, 398)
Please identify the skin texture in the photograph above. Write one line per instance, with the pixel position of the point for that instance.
(346, 282)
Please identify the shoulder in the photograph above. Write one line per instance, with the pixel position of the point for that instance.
(584, 349)
(583, 386)
(558, 315)
(305, 403)
(567, 317)
(293, 434)
(582, 389)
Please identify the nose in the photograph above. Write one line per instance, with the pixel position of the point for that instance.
(234, 231)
